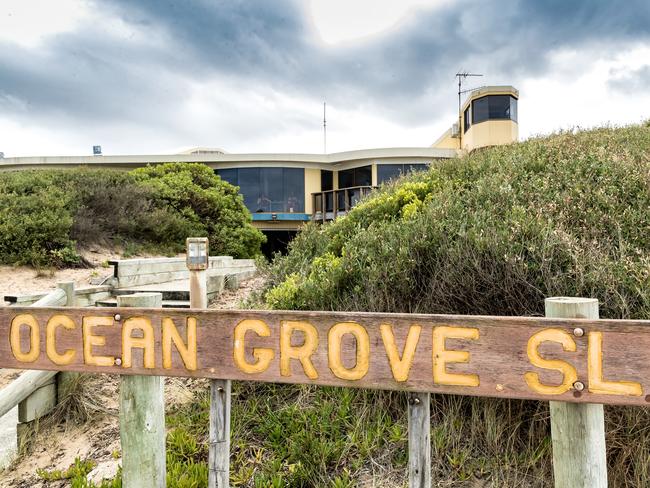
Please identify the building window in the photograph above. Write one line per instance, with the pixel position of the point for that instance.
(326, 180)
(269, 189)
(493, 107)
(350, 178)
(386, 172)
(466, 124)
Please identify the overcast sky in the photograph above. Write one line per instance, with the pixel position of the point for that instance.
(159, 76)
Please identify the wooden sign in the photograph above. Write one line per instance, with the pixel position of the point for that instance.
(601, 361)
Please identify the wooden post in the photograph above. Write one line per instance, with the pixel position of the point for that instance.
(68, 288)
(142, 417)
(219, 440)
(577, 430)
(64, 380)
(419, 426)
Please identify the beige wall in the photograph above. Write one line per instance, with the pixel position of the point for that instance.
(490, 133)
(446, 141)
(312, 185)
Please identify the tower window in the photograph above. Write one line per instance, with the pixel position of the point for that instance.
(494, 107)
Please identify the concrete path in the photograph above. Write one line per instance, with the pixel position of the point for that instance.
(8, 446)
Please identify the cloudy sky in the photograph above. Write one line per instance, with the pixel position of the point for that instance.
(159, 76)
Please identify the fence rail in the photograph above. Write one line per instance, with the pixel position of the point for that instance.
(576, 363)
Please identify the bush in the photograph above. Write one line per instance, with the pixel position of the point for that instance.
(48, 215)
(210, 205)
(494, 233)
(35, 222)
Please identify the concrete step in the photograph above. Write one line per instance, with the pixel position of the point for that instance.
(112, 302)
(167, 293)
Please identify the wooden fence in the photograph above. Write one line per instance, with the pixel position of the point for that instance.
(570, 358)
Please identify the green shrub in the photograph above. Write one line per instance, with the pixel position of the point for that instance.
(213, 207)
(48, 215)
(36, 221)
(494, 233)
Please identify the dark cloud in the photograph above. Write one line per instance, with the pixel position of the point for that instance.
(630, 82)
(90, 76)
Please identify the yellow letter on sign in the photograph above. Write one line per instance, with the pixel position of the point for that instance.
(400, 366)
(90, 340)
(335, 335)
(34, 338)
(595, 371)
(262, 355)
(302, 353)
(570, 375)
(146, 342)
(50, 340)
(187, 351)
(443, 356)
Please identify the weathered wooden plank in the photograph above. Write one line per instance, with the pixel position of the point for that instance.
(54, 298)
(142, 418)
(483, 356)
(577, 430)
(23, 386)
(162, 265)
(38, 403)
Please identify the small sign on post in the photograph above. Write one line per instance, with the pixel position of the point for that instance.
(198, 261)
(197, 253)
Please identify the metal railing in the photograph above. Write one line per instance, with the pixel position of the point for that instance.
(327, 205)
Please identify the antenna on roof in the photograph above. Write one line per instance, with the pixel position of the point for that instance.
(324, 128)
(462, 75)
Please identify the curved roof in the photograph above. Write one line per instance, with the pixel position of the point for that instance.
(324, 161)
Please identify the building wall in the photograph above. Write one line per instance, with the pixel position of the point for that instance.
(312, 185)
(490, 133)
(493, 132)
(446, 141)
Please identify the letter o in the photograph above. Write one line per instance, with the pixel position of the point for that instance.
(34, 338)
(334, 338)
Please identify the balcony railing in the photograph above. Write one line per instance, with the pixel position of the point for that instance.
(330, 204)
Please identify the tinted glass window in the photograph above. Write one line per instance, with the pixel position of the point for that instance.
(387, 172)
(363, 176)
(466, 120)
(499, 106)
(229, 175)
(269, 189)
(294, 190)
(326, 180)
(494, 107)
(249, 187)
(271, 197)
(355, 177)
(480, 110)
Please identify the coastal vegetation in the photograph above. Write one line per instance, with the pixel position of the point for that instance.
(49, 215)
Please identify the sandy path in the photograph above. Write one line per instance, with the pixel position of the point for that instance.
(23, 279)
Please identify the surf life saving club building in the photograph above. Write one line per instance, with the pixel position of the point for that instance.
(285, 190)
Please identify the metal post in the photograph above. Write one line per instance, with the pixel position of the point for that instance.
(142, 417)
(577, 429)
